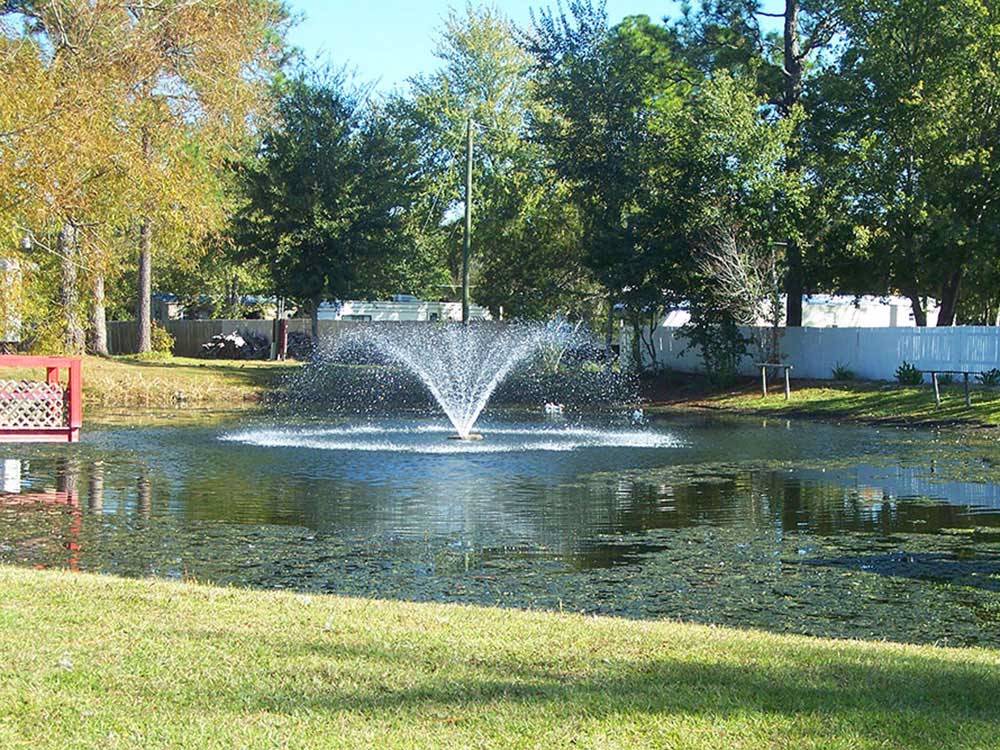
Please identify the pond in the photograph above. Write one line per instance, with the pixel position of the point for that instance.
(840, 531)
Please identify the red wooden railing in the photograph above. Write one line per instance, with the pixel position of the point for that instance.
(46, 411)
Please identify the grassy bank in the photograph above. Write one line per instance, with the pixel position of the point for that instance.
(853, 401)
(131, 381)
(100, 662)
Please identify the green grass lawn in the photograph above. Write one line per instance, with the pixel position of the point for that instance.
(868, 402)
(97, 662)
(172, 381)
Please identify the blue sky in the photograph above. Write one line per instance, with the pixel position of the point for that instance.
(390, 40)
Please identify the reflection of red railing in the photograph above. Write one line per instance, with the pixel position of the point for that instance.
(68, 498)
(42, 411)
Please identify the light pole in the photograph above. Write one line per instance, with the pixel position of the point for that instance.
(467, 243)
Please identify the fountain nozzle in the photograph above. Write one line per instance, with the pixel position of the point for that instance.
(472, 436)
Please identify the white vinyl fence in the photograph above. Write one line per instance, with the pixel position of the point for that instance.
(872, 353)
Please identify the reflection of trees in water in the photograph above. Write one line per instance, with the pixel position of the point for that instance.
(47, 524)
(95, 487)
(137, 511)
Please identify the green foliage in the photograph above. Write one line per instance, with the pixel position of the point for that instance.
(908, 374)
(526, 243)
(716, 335)
(843, 372)
(326, 200)
(611, 98)
(905, 141)
(989, 378)
(162, 340)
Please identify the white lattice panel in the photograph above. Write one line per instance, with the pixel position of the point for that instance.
(31, 404)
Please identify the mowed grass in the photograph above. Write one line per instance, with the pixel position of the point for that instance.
(868, 402)
(171, 381)
(98, 662)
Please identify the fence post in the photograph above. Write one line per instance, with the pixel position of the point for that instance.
(763, 380)
(968, 397)
(75, 399)
(788, 384)
(937, 390)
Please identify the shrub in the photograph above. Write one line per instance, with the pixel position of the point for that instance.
(717, 336)
(946, 379)
(843, 372)
(990, 377)
(162, 342)
(908, 374)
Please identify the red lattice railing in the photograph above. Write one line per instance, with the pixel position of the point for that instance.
(27, 404)
(42, 410)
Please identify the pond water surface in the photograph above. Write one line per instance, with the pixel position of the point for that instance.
(793, 527)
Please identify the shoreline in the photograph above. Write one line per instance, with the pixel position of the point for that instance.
(854, 402)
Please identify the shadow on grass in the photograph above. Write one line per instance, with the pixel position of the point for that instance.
(903, 701)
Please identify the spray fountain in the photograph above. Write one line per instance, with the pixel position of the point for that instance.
(380, 371)
(461, 366)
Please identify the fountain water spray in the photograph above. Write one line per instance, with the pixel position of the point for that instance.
(460, 365)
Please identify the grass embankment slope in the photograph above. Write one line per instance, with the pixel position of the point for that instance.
(172, 381)
(858, 402)
(90, 661)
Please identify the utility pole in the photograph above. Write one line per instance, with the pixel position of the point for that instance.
(467, 244)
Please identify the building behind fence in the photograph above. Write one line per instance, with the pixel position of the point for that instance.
(871, 353)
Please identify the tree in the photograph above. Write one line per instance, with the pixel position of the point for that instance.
(66, 182)
(526, 243)
(119, 106)
(614, 95)
(326, 200)
(196, 76)
(733, 35)
(906, 131)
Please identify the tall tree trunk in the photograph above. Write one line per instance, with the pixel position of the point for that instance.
(144, 304)
(950, 292)
(794, 286)
(314, 322)
(144, 311)
(98, 336)
(919, 314)
(609, 333)
(68, 297)
(793, 72)
(637, 342)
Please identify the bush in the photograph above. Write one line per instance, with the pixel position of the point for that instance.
(946, 379)
(908, 374)
(843, 372)
(717, 336)
(989, 378)
(161, 341)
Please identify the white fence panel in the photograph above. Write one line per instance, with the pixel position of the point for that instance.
(872, 353)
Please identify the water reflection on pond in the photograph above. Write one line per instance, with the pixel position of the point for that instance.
(839, 531)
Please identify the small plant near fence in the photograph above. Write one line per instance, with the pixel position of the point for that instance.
(843, 372)
(946, 379)
(990, 378)
(162, 342)
(908, 374)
